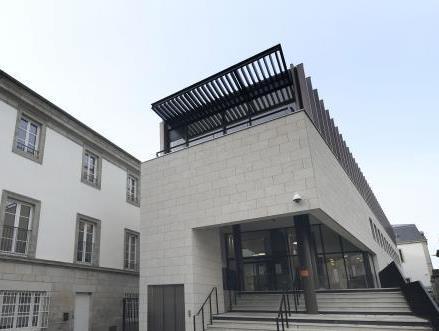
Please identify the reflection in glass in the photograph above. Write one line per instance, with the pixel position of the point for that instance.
(292, 242)
(336, 271)
(356, 270)
(256, 244)
(321, 272)
(256, 277)
(331, 240)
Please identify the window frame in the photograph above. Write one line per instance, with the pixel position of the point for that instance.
(96, 239)
(98, 167)
(127, 234)
(36, 210)
(40, 141)
(135, 202)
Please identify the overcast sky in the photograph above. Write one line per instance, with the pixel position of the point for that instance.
(375, 63)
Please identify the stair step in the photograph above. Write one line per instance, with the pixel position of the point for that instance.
(266, 321)
(315, 327)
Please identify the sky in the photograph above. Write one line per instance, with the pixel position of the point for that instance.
(375, 63)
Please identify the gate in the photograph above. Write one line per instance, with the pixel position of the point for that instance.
(130, 313)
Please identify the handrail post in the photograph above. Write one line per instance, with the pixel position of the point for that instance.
(210, 308)
(295, 300)
(195, 328)
(202, 316)
(216, 296)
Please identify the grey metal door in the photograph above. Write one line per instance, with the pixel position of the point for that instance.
(166, 308)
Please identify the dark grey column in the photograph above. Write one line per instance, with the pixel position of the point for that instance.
(236, 229)
(306, 272)
(166, 142)
(314, 261)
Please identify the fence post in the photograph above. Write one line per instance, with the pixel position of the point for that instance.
(123, 314)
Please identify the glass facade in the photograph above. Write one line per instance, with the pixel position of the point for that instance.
(269, 260)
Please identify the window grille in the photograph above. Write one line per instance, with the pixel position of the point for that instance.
(132, 189)
(131, 312)
(24, 310)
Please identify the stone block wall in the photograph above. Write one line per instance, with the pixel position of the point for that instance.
(107, 288)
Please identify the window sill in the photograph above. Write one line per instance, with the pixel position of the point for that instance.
(133, 202)
(91, 264)
(37, 159)
(94, 185)
(24, 255)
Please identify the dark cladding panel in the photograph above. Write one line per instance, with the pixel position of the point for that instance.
(166, 308)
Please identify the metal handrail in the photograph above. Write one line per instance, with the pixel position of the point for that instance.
(284, 310)
(285, 306)
(201, 310)
(27, 149)
(210, 135)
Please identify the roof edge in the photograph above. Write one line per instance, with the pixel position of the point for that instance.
(70, 117)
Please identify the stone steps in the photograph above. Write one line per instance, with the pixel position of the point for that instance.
(266, 322)
(345, 310)
(364, 300)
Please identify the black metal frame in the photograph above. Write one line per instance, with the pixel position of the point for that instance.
(253, 86)
(284, 310)
(288, 255)
(286, 109)
(201, 310)
(128, 323)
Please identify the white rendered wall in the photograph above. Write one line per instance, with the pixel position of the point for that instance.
(417, 262)
(57, 184)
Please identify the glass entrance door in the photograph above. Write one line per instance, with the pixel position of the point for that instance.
(269, 260)
(256, 277)
(267, 275)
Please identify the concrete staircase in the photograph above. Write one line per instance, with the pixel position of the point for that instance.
(346, 310)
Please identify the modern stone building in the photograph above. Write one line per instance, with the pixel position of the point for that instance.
(413, 250)
(69, 218)
(255, 192)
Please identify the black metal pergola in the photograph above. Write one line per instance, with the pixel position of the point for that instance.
(251, 87)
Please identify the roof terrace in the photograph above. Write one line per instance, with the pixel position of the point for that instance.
(250, 92)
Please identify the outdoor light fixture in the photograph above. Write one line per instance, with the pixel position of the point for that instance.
(297, 198)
